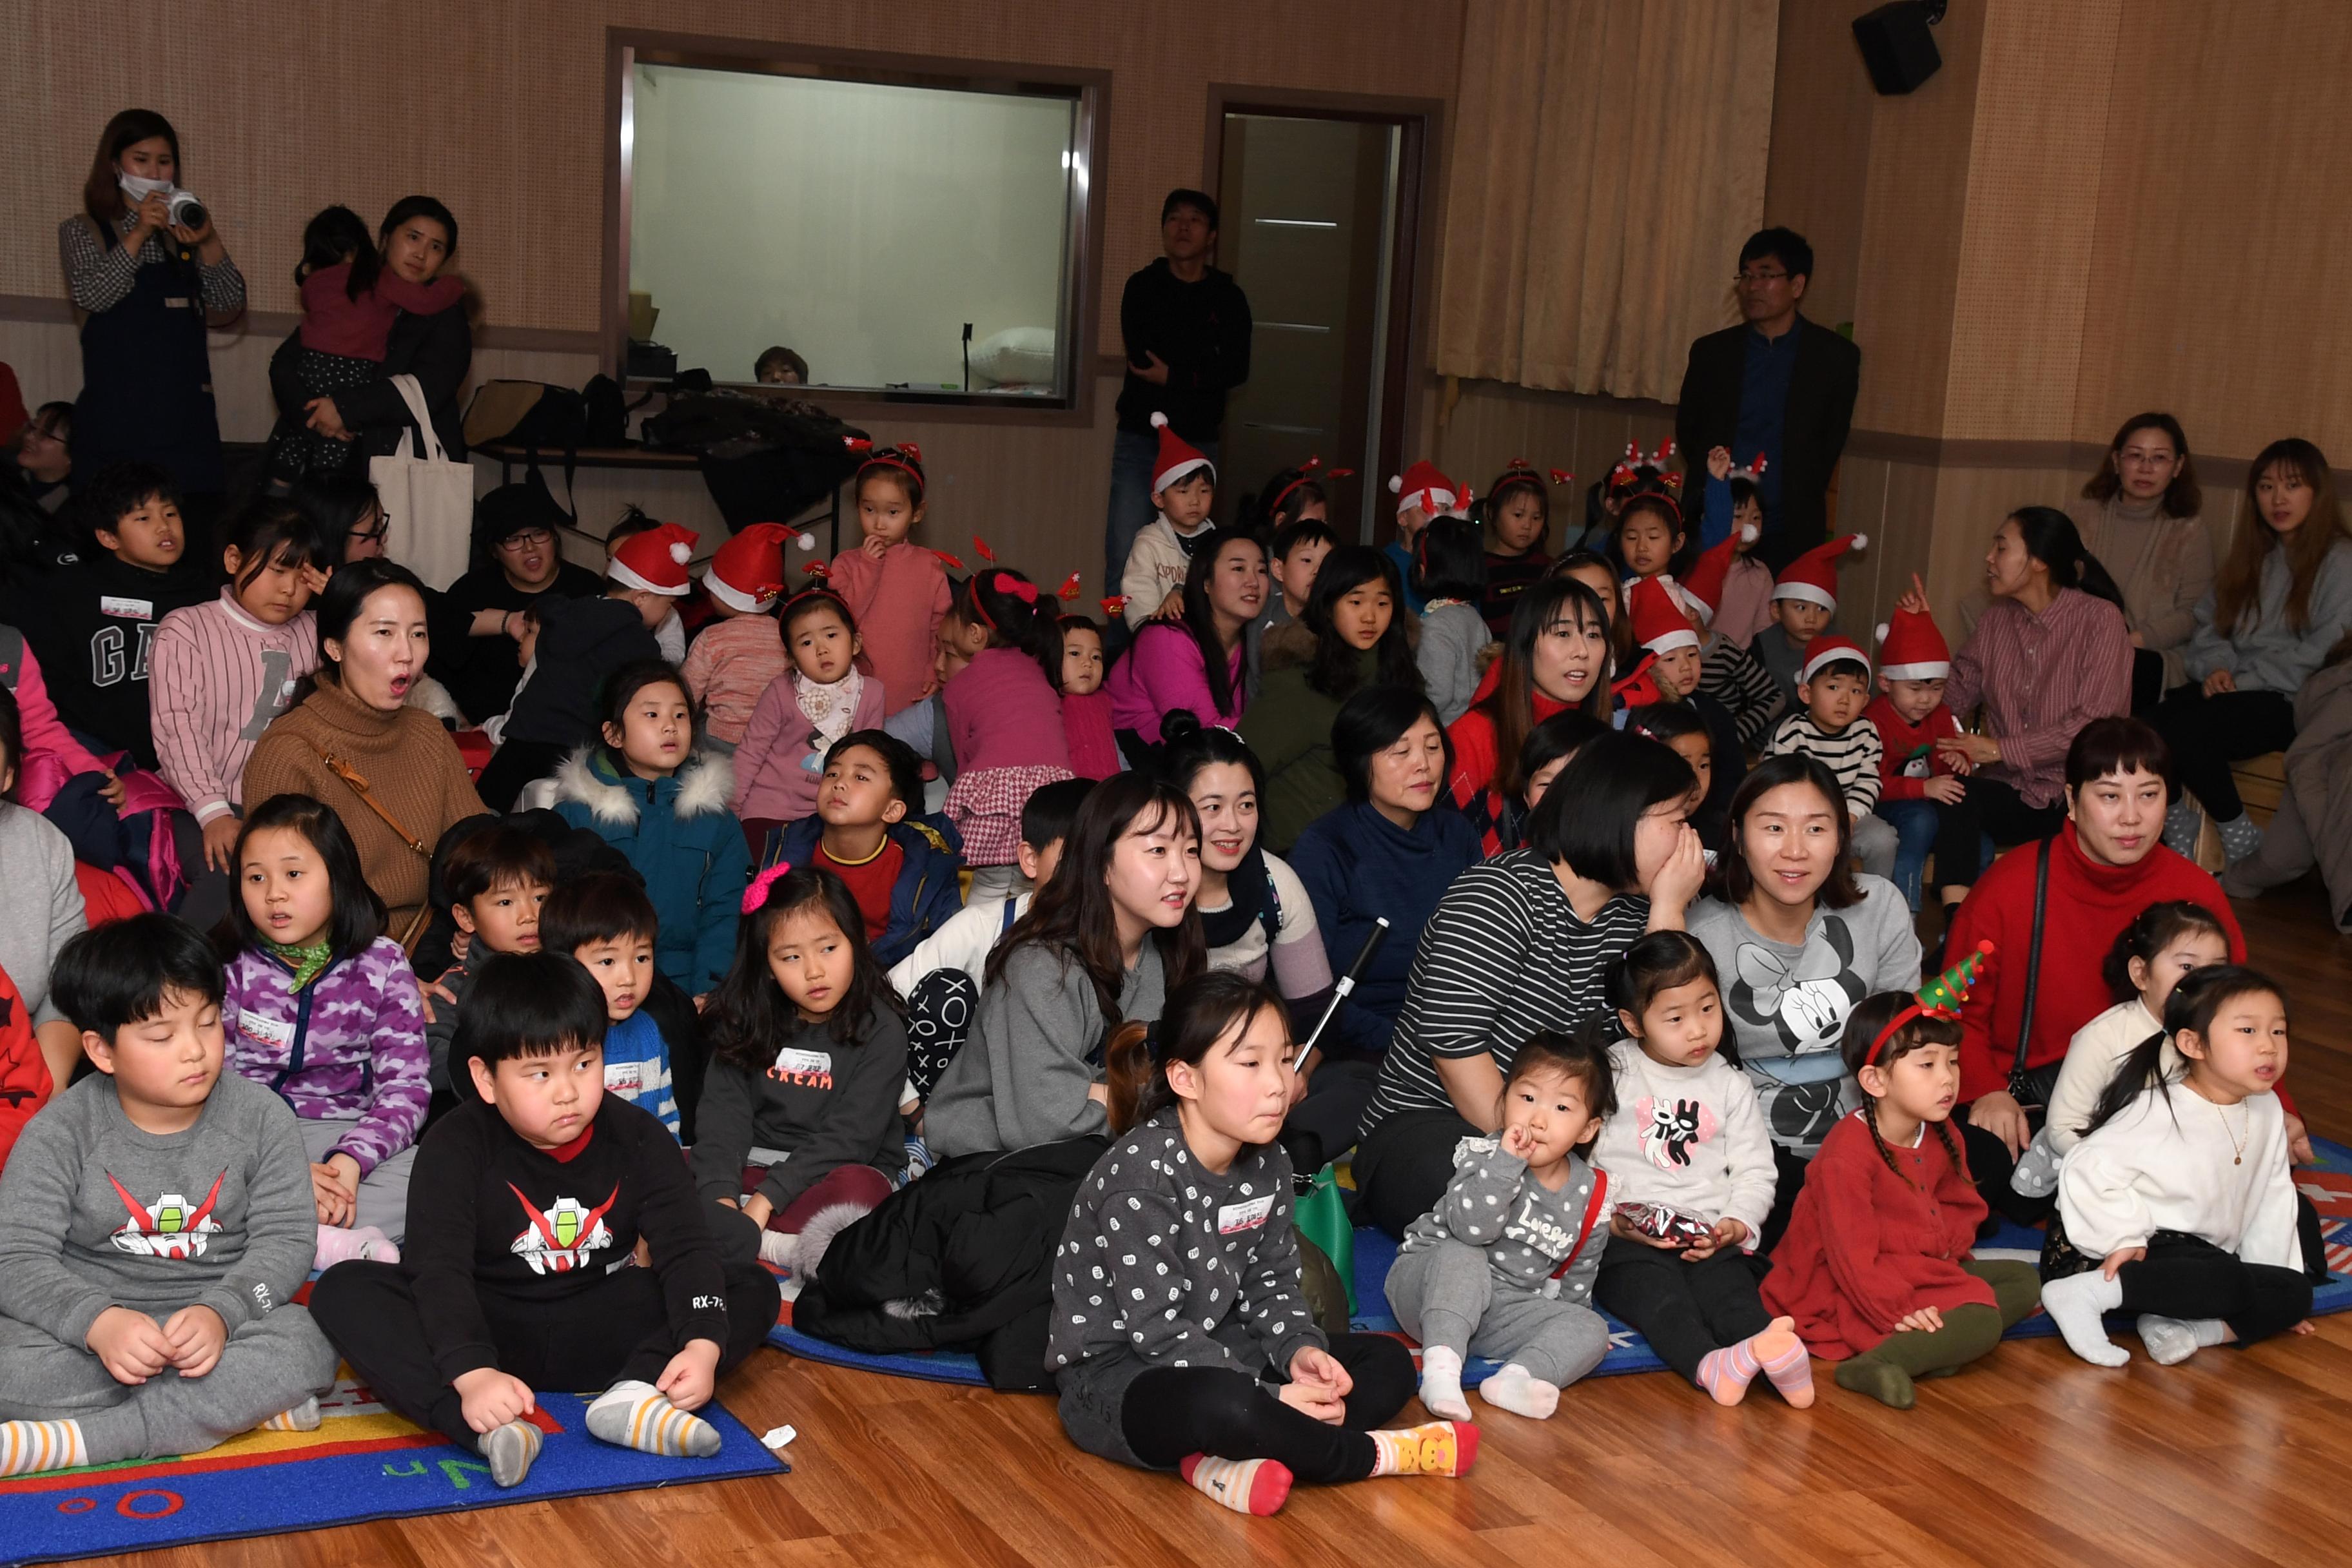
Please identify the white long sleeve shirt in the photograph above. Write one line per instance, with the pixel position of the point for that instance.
(2097, 1049)
(1693, 1138)
(2175, 1161)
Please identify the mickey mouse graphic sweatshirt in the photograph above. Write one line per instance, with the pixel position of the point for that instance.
(489, 1212)
(1692, 1138)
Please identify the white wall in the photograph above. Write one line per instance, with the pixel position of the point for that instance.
(859, 223)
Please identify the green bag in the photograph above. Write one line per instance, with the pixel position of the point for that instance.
(1321, 1215)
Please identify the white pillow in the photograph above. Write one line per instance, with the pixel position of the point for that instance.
(1017, 356)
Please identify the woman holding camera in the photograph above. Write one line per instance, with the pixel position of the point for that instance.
(147, 269)
(417, 241)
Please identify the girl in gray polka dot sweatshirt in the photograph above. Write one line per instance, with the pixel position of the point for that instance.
(1503, 1267)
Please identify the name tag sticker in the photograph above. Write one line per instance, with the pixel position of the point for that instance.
(623, 1078)
(792, 1060)
(126, 609)
(1234, 1218)
(277, 1032)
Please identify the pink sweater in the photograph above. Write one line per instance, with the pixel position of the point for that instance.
(730, 664)
(900, 602)
(1161, 672)
(44, 730)
(216, 678)
(774, 780)
(1747, 606)
(1087, 725)
(1004, 714)
(335, 323)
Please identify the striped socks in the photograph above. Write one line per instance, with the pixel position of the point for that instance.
(510, 1449)
(635, 1415)
(1776, 1352)
(26, 1446)
(303, 1417)
(1246, 1486)
(1432, 1449)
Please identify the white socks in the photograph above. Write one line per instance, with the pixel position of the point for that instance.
(26, 1446)
(1517, 1390)
(2075, 1304)
(2171, 1340)
(777, 1247)
(638, 1416)
(1441, 1383)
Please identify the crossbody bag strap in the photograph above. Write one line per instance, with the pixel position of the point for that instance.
(357, 783)
(2032, 961)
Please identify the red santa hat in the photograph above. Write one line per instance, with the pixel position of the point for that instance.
(1702, 590)
(1659, 623)
(1913, 649)
(748, 572)
(1813, 576)
(1425, 487)
(655, 560)
(1831, 648)
(1177, 458)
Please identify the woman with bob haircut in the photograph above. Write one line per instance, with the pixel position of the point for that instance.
(1520, 944)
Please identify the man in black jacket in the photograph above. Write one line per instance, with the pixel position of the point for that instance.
(1186, 328)
(1778, 385)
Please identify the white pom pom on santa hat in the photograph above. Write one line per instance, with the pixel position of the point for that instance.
(1159, 420)
(681, 554)
(1857, 542)
(1396, 484)
(1749, 535)
(1883, 629)
(804, 541)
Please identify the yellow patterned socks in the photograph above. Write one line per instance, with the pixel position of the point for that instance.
(638, 1416)
(1432, 1449)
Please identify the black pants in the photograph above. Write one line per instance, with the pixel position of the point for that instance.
(2208, 733)
(618, 1330)
(1789, 1180)
(1991, 1163)
(514, 764)
(1172, 1412)
(2002, 813)
(1404, 1164)
(1686, 1310)
(2148, 682)
(2189, 1277)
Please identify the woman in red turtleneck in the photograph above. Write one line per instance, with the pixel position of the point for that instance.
(1557, 656)
(2107, 864)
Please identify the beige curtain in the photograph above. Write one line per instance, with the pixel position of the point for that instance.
(1609, 159)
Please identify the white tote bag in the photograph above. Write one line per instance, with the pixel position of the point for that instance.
(428, 501)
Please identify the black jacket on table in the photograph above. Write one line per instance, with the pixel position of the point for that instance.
(488, 1212)
(1822, 387)
(437, 349)
(1201, 332)
(826, 1103)
(91, 625)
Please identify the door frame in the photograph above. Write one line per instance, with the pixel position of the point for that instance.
(1422, 121)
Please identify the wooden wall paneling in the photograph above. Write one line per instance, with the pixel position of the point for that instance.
(1822, 110)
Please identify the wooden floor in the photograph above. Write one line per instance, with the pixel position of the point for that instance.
(2030, 1458)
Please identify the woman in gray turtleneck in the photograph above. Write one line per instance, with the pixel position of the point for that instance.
(2140, 515)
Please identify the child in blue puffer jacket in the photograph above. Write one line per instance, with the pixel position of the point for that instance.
(645, 793)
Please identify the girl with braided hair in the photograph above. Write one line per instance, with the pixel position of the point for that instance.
(1875, 1267)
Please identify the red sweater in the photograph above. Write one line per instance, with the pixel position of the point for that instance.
(1476, 757)
(2089, 906)
(1904, 744)
(1865, 1247)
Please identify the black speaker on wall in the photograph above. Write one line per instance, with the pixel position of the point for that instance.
(1897, 47)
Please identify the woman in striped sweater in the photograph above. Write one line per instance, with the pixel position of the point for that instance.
(224, 670)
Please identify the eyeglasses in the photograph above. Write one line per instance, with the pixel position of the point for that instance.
(367, 535)
(527, 538)
(1759, 279)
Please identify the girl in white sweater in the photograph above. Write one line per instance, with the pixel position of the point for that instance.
(1689, 1136)
(2177, 1204)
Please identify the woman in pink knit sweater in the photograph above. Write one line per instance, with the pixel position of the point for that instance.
(1198, 663)
(897, 590)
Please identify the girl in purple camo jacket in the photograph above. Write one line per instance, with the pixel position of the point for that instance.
(323, 1010)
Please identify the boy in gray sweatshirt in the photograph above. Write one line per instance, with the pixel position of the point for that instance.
(155, 1221)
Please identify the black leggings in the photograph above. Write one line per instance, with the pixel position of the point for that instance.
(617, 1329)
(2002, 813)
(2208, 733)
(1404, 1164)
(1172, 1412)
(1686, 1310)
(2189, 1277)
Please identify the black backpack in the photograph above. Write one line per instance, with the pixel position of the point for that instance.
(765, 460)
(607, 413)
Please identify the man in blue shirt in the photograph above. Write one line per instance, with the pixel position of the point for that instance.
(1779, 386)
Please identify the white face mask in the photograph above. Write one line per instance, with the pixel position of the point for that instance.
(139, 189)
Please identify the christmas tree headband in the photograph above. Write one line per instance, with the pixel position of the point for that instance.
(1939, 998)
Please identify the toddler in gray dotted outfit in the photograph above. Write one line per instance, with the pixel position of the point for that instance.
(1503, 1267)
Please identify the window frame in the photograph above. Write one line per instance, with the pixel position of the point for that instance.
(1081, 305)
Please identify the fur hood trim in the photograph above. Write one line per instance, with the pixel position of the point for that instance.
(704, 786)
(1291, 646)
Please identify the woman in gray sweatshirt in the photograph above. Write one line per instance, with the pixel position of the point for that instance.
(1103, 943)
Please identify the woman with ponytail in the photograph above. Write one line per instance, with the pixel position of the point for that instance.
(1875, 1267)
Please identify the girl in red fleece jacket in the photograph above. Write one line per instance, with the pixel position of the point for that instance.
(1875, 1266)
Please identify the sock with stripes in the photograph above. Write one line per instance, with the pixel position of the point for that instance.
(26, 1446)
(510, 1449)
(1432, 1449)
(1245, 1486)
(1785, 1360)
(303, 1417)
(638, 1416)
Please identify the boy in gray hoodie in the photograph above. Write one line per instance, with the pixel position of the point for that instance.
(155, 1221)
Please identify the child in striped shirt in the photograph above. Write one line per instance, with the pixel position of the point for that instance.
(1832, 687)
(220, 672)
